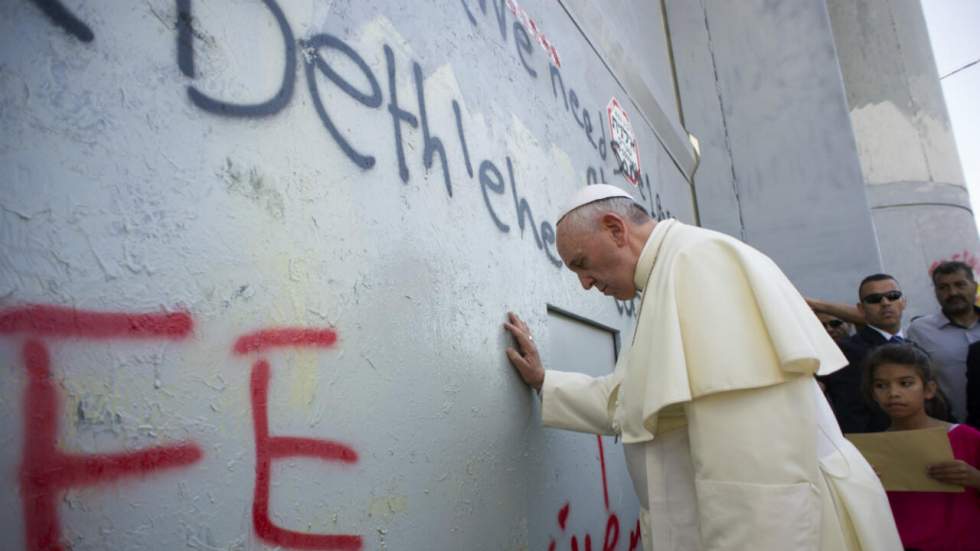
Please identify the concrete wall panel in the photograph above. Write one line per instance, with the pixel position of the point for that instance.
(718, 202)
(791, 174)
(315, 211)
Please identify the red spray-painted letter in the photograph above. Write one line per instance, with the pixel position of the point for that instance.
(268, 448)
(46, 471)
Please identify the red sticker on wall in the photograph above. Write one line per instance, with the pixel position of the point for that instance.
(623, 142)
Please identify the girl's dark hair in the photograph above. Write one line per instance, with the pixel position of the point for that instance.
(914, 357)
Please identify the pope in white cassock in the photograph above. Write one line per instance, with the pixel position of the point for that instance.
(728, 440)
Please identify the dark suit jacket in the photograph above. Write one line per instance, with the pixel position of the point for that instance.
(854, 412)
(973, 385)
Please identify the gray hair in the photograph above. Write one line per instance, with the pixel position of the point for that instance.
(587, 216)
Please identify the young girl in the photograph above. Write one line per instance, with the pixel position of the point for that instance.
(899, 378)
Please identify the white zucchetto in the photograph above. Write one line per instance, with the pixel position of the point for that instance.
(591, 194)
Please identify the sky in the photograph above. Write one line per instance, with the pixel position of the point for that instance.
(954, 30)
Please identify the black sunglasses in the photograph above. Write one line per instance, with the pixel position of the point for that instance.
(833, 323)
(875, 298)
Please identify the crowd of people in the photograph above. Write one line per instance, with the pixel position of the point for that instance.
(925, 375)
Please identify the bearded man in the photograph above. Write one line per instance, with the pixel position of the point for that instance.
(947, 335)
(728, 440)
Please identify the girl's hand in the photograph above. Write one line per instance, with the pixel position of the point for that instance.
(955, 472)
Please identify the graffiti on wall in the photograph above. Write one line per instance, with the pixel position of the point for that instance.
(46, 472)
(488, 172)
(64, 18)
(495, 176)
(611, 535)
(532, 26)
(269, 448)
(965, 257)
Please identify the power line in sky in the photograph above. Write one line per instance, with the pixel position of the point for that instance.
(967, 66)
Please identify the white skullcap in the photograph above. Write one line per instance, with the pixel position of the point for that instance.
(591, 194)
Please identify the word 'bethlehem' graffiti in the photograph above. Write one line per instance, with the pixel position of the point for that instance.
(46, 472)
(490, 173)
(487, 172)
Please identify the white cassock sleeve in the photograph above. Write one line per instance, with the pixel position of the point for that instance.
(578, 402)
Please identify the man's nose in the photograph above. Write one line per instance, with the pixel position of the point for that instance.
(586, 281)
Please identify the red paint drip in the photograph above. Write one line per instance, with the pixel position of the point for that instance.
(612, 534)
(635, 537)
(588, 543)
(602, 463)
(268, 448)
(563, 516)
(59, 321)
(45, 471)
(285, 337)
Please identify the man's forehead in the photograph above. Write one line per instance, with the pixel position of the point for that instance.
(567, 247)
(955, 276)
(566, 236)
(570, 242)
(878, 285)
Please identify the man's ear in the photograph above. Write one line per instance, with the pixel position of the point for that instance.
(616, 227)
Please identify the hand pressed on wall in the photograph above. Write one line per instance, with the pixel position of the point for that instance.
(524, 358)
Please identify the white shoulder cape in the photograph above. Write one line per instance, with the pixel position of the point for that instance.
(716, 315)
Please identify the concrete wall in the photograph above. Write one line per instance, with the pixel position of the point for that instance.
(916, 190)
(228, 222)
(761, 89)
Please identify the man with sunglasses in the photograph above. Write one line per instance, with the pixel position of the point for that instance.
(881, 303)
(838, 329)
(947, 335)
